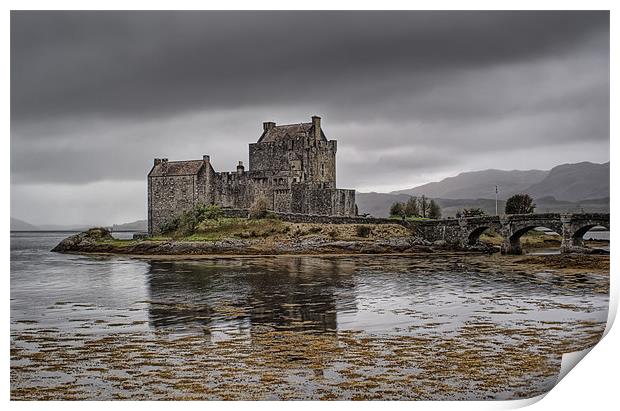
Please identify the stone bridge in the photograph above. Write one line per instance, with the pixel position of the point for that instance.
(464, 232)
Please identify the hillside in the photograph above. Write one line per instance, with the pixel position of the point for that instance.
(479, 184)
(566, 182)
(574, 182)
(139, 225)
(21, 225)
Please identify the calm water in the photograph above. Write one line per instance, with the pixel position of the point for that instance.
(380, 327)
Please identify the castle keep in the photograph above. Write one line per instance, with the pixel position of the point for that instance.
(292, 166)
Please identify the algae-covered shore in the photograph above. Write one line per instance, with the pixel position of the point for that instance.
(435, 326)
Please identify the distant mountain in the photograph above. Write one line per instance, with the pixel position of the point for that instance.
(21, 225)
(139, 225)
(569, 182)
(574, 182)
(479, 184)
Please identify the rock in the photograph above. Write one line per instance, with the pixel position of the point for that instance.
(439, 243)
(86, 241)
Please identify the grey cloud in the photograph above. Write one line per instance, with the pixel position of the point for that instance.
(128, 63)
(408, 95)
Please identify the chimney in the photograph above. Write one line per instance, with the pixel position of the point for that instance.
(157, 161)
(206, 158)
(316, 123)
(268, 125)
(164, 165)
(240, 168)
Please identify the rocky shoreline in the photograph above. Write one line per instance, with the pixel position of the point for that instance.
(101, 241)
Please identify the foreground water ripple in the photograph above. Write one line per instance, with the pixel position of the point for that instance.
(380, 327)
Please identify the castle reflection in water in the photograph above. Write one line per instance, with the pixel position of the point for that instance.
(292, 294)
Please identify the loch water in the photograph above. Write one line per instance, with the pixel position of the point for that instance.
(426, 326)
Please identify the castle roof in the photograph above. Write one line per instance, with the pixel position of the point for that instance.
(176, 168)
(278, 133)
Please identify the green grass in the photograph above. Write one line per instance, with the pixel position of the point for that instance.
(214, 230)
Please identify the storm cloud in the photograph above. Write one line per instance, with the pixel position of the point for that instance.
(411, 96)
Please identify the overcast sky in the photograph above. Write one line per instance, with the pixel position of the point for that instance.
(411, 97)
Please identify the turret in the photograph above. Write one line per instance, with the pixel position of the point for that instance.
(316, 123)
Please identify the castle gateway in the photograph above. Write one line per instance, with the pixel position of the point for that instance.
(292, 166)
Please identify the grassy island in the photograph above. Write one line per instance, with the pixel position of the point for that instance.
(205, 230)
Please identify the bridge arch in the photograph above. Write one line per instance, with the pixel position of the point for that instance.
(514, 240)
(474, 235)
(580, 231)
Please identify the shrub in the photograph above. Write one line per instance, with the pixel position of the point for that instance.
(258, 209)
(362, 231)
(397, 210)
(170, 225)
(210, 212)
(470, 212)
(99, 233)
(187, 222)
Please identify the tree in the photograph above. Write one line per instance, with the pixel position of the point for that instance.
(411, 208)
(470, 212)
(423, 206)
(397, 210)
(520, 204)
(434, 211)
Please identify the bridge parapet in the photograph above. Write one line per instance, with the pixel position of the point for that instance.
(464, 232)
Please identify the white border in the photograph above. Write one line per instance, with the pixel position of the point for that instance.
(592, 384)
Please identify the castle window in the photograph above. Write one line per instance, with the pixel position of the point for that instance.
(322, 170)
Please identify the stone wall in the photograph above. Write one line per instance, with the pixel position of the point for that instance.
(319, 219)
(295, 160)
(169, 196)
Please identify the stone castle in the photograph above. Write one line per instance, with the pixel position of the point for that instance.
(292, 166)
